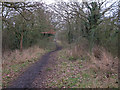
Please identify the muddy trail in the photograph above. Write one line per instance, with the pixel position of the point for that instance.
(26, 79)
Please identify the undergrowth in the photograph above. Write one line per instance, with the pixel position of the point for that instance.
(15, 62)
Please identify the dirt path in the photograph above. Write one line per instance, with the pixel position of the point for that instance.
(27, 78)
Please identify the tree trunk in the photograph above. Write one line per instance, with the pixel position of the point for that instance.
(21, 42)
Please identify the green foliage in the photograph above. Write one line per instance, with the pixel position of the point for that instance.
(71, 58)
(48, 69)
(85, 75)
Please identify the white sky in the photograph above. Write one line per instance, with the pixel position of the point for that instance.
(53, 1)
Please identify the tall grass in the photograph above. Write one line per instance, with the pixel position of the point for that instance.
(15, 61)
(99, 57)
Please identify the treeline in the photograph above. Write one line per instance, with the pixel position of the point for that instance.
(23, 23)
(95, 21)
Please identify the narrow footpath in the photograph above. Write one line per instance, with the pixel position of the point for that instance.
(26, 79)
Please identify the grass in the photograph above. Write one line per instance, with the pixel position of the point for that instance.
(72, 71)
(64, 63)
(48, 69)
(17, 62)
(85, 75)
(12, 72)
(80, 74)
(71, 58)
(81, 65)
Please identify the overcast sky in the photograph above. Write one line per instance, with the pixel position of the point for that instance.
(53, 1)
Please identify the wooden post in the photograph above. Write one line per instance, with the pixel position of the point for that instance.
(21, 42)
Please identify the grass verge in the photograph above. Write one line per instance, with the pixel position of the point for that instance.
(16, 62)
(79, 73)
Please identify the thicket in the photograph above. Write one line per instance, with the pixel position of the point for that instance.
(23, 23)
(94, 21)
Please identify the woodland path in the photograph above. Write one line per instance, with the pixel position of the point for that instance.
(26, 79)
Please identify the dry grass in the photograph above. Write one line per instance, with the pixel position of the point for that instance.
(76, 51)
(104, 60)
(100, 61)
(19, 57)
(99, 58)
(16, 61)
(78, 74)
(76, 68)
